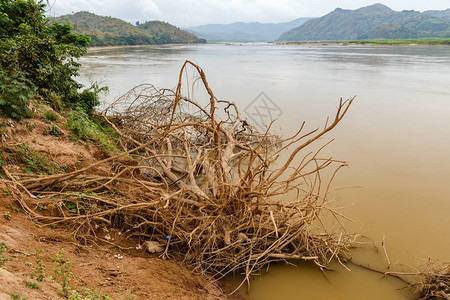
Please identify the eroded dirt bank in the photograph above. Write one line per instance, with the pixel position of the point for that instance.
(113, 266)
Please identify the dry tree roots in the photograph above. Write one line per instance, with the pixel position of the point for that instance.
(434, 283)
(429, 281)
(207, 181)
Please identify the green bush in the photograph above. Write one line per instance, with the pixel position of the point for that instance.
(36, 57)
(50, 115)
(84, 128)
(35, 162)
(88, 99)
(15, 93)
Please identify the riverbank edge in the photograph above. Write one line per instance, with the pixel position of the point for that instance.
(100, 48)
(399, 42)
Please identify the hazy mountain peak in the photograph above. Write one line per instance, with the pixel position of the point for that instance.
(244, 32)
(378, 6)
(373, 21)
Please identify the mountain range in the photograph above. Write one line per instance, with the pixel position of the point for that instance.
(244, 32)
(376, 21)
(108, 31)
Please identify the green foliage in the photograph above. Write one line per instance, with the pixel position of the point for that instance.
(29, 126)
(50, 115)
(14, 296)
(32, 285)
(83, 127)
(15, 93)
(35, 57)
(165, 33)
(7, 215)
(39, 271)
(371, 22)
(34, 161)
(443, 14)
(54, 131)
(74, 208)
(88, 99)
(87, 294)
(55, 100)
(63, 271)
(3, 259)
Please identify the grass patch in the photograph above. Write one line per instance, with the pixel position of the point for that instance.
(63, 272)
(87, 128)
(87, 294)
(54, 131)
(15, 296)
(50, 115)
(32, 285)
(3, 259)
(34, 161)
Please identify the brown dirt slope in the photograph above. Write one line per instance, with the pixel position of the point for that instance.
(116, 266)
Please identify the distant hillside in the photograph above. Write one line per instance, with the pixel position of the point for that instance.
(372, 22)
(444, 14)
(165, 33)
(108, 31)
(244, 32)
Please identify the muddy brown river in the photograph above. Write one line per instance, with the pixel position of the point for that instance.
(396, 138)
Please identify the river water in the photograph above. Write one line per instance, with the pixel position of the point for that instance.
(396, 138)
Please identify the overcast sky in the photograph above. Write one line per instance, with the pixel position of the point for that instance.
(185, 13)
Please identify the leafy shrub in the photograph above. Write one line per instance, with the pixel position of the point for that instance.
(83, 127)
(50, 115)
(88, 99)
(36, 57)
(63, 272)
(87, 294)
(32, 285)
(54, 131)
(34, 161)
(15, 93)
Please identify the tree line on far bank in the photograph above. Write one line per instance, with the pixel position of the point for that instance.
(108, 31)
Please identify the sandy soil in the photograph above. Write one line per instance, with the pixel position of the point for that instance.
(117, 267)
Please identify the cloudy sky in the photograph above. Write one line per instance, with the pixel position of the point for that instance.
(185, 13)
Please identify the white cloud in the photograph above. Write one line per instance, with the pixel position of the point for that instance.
(127, 10)
(197, 12)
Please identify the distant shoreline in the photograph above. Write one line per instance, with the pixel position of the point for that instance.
(99, 48)
(409, 42)
(400, 42)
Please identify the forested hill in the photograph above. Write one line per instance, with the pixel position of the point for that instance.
(108, 31)
(444, 14)
(372, 22)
